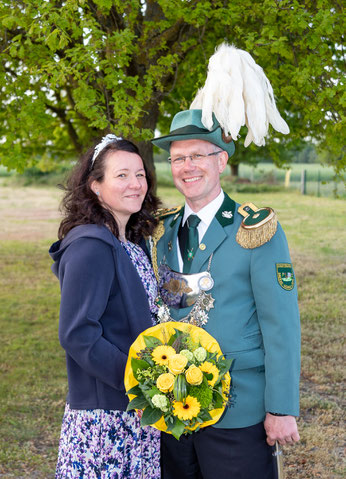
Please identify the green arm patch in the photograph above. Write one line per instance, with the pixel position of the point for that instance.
(285, 276)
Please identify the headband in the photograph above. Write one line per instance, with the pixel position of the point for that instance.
(103, 143)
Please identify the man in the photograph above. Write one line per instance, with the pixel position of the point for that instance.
(254, 316)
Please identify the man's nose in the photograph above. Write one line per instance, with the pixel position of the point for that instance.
(189, 163)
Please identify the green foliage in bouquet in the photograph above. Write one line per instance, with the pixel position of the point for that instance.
(178, 384)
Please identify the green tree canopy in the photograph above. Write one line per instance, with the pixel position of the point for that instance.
(74, 70)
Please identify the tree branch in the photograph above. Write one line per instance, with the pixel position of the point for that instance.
(61, 113)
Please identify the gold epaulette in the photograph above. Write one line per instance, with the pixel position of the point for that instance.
(258, 226)
(163, 212)
(159, 231)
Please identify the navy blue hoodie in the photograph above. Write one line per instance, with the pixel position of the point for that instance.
(103, 309)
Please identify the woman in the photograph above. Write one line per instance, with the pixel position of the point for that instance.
(108, 290)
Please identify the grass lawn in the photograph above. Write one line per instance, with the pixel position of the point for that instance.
(33, 378)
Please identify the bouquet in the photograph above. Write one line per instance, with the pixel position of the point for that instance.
(177, 374)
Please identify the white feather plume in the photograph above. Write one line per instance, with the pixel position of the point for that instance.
(216, 96)
(238, 92)
(253, 94)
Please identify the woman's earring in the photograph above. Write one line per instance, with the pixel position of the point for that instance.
(98, 193)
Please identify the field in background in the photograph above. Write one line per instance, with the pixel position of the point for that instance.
(33, 378)
(319, 180)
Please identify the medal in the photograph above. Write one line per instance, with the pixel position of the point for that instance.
(180, 290)
(206, 282)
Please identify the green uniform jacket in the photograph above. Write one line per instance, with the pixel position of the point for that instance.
(254, 319)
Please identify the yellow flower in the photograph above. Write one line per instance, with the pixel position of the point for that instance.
(188, 410)
(194, 375)
(211, 345)
(177, 363)
(161, 354)
(165, 382)
(208, 367)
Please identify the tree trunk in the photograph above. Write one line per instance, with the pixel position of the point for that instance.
(234, 170)
(146, 151)
(148, 120)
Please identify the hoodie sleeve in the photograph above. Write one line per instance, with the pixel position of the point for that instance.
(86, 275)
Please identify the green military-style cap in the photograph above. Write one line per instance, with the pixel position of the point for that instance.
(187, 125)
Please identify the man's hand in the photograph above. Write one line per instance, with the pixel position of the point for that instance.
(281, 428)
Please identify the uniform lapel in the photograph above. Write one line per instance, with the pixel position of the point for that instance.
(215, 234)
(170, 241)
(213, 237)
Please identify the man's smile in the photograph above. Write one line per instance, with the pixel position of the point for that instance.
(191, 180)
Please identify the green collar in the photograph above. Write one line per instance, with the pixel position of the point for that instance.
(180, 213)
(225, 214)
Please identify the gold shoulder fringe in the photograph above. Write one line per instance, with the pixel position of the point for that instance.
(253, 238)
(163, 212)
(157, 234)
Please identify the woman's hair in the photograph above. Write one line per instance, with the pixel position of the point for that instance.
(81, 205)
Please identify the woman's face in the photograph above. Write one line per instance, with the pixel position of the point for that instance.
(124, 185)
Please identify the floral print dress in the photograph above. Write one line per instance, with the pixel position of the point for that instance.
(109, 444)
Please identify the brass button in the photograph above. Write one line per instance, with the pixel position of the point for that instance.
(202, 246)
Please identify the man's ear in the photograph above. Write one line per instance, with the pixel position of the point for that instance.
(222, 160)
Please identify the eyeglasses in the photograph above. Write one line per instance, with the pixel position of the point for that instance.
(195, 159)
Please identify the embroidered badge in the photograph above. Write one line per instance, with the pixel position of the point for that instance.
(227, 214)
(285, 275)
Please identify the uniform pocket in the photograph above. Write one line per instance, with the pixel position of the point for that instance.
(251, 358)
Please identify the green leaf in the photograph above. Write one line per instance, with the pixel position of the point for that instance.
(150, 416)
(170, 422)
(135, 390)
(9, 22)
(138, 402)
(224, 366)
(138, 364)
(175, 426)
(204, 415)
(178, 429)
(211, 357)
(53, 39)
(175, 336)
(151, 341)
(217, 399)
(151, 393)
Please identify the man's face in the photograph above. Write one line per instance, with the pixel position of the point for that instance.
(199, 180)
